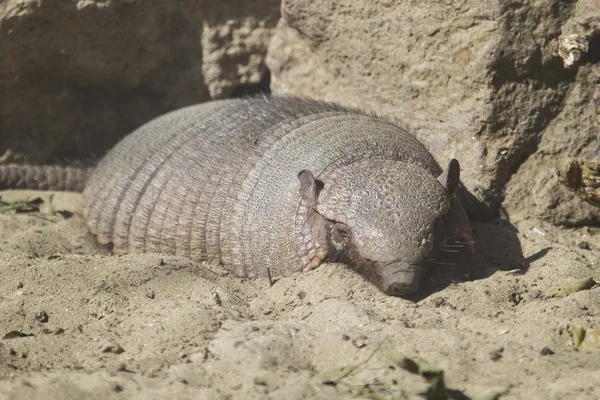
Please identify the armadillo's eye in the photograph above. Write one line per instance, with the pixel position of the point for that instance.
(342, 230)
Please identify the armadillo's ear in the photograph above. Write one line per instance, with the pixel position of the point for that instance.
(451, 176)
(309, 187)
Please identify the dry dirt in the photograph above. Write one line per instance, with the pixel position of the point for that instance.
(154, 326)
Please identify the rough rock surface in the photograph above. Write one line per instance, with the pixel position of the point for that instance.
(77, 75)
(574, 132)
(476, 80)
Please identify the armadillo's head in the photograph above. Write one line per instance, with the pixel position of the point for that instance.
(383, 217)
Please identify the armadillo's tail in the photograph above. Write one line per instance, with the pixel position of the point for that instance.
(44, 177)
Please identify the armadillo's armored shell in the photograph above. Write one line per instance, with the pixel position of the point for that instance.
(219, 180)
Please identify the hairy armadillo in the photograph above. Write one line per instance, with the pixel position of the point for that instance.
(275, 184)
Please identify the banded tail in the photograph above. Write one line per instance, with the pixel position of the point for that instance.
(44, 177)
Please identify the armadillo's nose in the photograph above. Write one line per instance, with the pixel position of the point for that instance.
(399, 278)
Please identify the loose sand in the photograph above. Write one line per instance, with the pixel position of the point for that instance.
(149, 326)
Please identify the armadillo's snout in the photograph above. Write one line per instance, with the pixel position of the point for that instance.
(399, 278)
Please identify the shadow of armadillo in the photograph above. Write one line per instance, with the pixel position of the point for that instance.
(497, 248)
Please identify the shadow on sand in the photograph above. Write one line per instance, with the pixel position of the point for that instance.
(497, 248)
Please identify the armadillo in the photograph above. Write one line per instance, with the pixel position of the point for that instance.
(274, 185)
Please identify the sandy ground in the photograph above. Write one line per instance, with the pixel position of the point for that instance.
(154, 326)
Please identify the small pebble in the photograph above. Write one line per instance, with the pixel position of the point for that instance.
(496, 354)
(217, 299)
(583, 245)
(112, 348)
(546, 352)
(260, 381)
(515, 298)
(539, 231)
(41, 316)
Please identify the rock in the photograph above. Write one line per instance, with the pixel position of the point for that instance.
(473, 80)
(571, 48)
(534, 190)
(583, 178)
(77, 77)
(233, 54)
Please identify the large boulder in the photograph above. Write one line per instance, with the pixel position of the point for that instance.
(477, 80)
(77, 75)
(574, 131)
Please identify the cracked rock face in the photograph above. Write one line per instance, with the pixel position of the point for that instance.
(474, 80)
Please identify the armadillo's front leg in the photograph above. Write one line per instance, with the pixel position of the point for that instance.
(314, 238)
(317, 246)
(316, 230)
